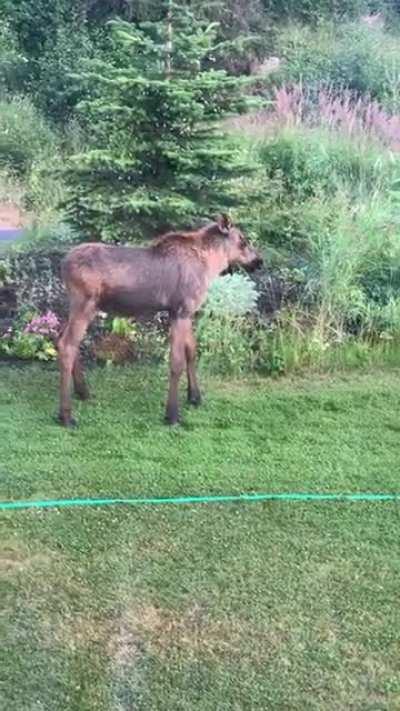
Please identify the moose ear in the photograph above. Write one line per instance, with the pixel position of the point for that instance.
(224, 223)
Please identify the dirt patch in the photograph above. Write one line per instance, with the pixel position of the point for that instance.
(11, 216)
(18, 560)
(80, 632)
(125, 654)
(123, 648)
(147, 629)
(194, 633)
(114, 637)
(114, 348)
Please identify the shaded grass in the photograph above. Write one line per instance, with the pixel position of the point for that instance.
(232, 607)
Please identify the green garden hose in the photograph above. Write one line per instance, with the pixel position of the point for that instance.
(217, 499)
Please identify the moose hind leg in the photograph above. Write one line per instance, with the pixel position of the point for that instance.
(68, 349)
(67, 352)
(81, 388)
(179, 329)
(194, 395)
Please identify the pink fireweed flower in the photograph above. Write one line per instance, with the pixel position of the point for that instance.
(47, 324)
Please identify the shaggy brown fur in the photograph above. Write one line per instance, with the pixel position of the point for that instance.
(172, 274)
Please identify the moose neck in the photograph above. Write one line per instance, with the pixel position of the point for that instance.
(217, 262)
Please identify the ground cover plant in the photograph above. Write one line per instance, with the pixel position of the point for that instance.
(264, 606)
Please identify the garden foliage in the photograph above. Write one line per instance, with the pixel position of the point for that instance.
(119, 120)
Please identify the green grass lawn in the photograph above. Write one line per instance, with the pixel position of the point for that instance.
(257, 606)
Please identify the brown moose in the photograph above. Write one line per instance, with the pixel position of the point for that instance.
(172, 274)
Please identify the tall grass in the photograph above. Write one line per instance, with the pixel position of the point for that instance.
(295, 345)
(331, 174)
(345, 264)
(25, 137)
(360, 56)
(359, 119)
(31, 155)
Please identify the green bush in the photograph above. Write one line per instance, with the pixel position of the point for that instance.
(232, 345)
(349, 55)
(13, 64)
(343, 262)
(31, 156)
(308, 175)
(56, 90)
(332, 218)
(32, 337)
(51, 235)
(225, 333)
(25, 137)
(27, 346)
(12, 190)
(310, 11)
(314, 161)
(45, 196)
(231, 295)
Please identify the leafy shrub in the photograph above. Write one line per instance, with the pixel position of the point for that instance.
(37, 196)
(25, 137)
(364, 238)
(224, 332)
(341, 293)
(124, 340)
(13, 64)
(4, 272)
(57, 92)
(231, 295)
(344, 55)
(310, 11)
(30, 161)
(314, 161)
(333, 220)
(12, 192)
(45, 193)
(286, 228)
(53, 234)
(225, 345)
(27, 346)
(152, 341)
(32, 337)
(312, 176)
(114, 349)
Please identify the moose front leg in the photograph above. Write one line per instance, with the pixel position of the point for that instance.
(81, 314)
(80, 386)
(194, 396)
(179, 330)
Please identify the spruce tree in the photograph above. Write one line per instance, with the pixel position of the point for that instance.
(156, 156)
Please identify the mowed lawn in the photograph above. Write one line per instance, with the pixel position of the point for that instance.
(211, 607)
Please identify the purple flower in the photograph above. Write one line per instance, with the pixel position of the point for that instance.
(340, 111)
(47, 325)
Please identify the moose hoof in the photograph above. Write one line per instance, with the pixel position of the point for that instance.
(194, 398)
(171, 419)
(83, 394)
(66, 420)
